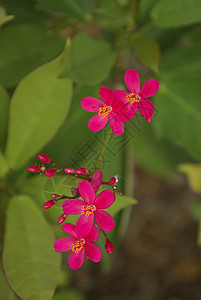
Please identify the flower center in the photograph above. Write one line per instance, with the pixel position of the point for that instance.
(87, 209)
(78, 245)
(132, 98)
(104, 111)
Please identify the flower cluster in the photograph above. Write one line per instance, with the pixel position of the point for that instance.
(85, 200)
(120, 106)
(89, 205)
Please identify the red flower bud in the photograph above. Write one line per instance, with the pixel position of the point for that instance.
(54, 196)
(82, 171)
(34, 169)
(49, 204)
(62, 218)
(69, 170)
(50, 172)
(44, 158)
(74, 191)
(113, 180)
(109, 246)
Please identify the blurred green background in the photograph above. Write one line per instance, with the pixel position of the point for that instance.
(54, 53)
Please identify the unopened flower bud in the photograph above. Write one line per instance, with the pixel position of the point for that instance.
(109, 246)
(82, 171)
(34, 169)
(50, 172)
(69, 170)
(44, 158)
(113, 180)
(49, 204)
(62, 218)
(54, 196)
(74, 191)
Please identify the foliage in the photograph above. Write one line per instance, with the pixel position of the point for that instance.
(42, 82)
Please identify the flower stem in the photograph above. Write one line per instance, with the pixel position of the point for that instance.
(102, 152)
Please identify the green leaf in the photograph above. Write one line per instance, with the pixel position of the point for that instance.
(66, 153)
(3, 165)
(147, 50)
(193, 173)
(120, 203)
(25, 12)
(199, 235)
(176, 13)
(23, 48)
(38, 108)
(178, 100)
(4, 107)
(5, 290)
(29, 259)
(88, 61)
(80, 9)
(4, 18)
(161, 157)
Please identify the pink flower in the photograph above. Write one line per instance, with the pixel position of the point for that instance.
(91, 207)
(137, 98)
(79, 243)
(97, 180)
(108, 110)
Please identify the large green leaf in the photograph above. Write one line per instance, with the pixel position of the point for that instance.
(89, 60)
(176, 12)
(29, 259)
(23, 48)
(38, 108)
(178, 100)
(4, 107)
(80, 9)
(147, 50)
(5, 290)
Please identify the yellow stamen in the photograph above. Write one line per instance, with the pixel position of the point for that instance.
(87, 210)
(104, 111)
(77, 246)
(132, 98)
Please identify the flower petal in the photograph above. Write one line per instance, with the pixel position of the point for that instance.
(76, 259)
(84, 225)
(104, 199)
(73, 208)
(146, 108)
(93, 235)
(106, 95)
(93, 252)
(120, 95)
(116, 125)
(104, 220)
(91, 104)
(70, 229)
(86, 191)
(96, 180)
(149, 88)
(132, 81)
(97, 122)
(120, 108)
(64, 244)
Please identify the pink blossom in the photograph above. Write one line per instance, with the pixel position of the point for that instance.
(137, 98)
(91, 207)
(79, 244)
(97, 180)
(108, 110)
